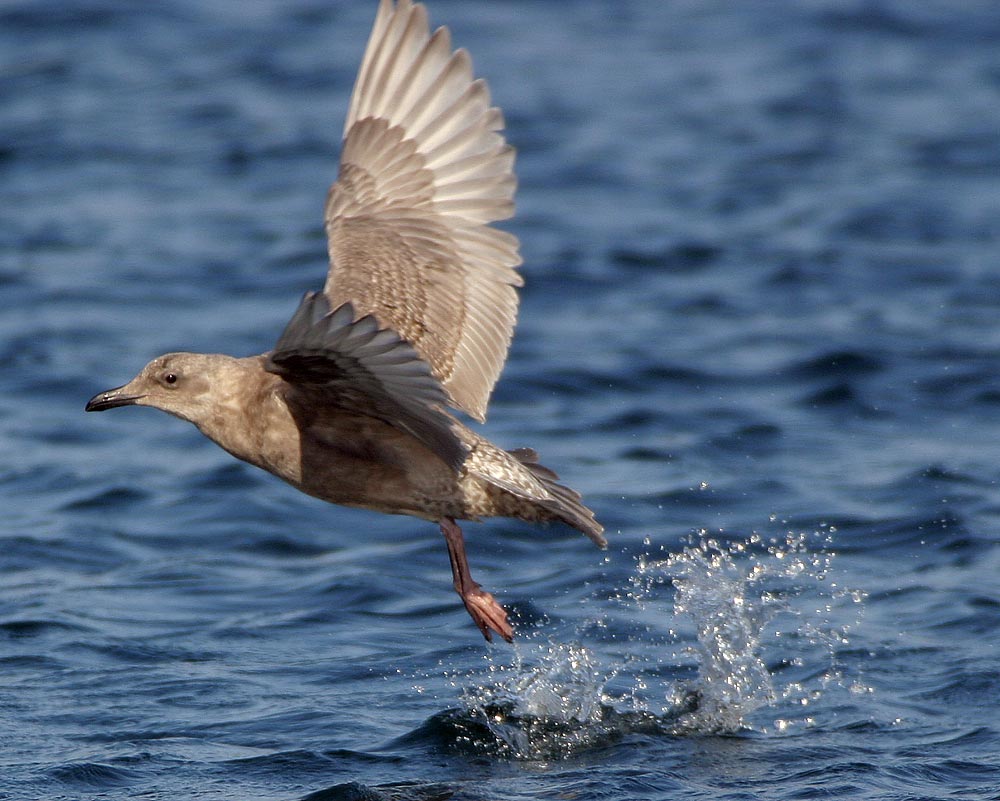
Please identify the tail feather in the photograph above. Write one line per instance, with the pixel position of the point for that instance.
(566, 503)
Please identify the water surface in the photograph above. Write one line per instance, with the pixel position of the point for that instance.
(759, 333)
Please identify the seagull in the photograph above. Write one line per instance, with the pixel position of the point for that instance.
(415, 318)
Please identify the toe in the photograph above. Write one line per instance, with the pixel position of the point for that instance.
(488, 615)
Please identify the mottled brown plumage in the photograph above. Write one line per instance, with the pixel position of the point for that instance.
(416, 315)
(423, 171)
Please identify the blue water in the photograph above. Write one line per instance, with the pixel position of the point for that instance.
(759, 333)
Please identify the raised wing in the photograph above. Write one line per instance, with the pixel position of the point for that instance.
(423, 171)
(361, 367)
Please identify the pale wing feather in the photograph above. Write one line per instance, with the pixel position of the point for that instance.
(423, 172)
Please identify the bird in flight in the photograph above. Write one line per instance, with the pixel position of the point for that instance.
(416, 316)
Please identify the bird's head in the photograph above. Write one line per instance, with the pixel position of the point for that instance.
(186, 385)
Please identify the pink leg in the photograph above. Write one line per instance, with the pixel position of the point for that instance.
(482, 606)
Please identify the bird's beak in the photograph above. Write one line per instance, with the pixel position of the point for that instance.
(111, 398)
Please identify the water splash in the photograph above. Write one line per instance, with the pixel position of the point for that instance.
(760, 608)
(566, 684)
(730, 599)
(554, 700)
(551, 703)
(720, 598)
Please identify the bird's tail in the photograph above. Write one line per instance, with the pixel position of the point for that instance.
(566, 504)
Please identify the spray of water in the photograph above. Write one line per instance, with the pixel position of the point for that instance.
(728, 614)
(736, 603)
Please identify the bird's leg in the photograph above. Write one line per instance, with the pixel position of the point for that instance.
(482, 606)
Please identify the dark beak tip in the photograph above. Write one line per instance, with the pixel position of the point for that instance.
(96, 403)
(110, 399)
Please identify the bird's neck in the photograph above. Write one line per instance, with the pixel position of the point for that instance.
(240, 412)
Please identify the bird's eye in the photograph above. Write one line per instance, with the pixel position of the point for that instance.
(170, 378)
